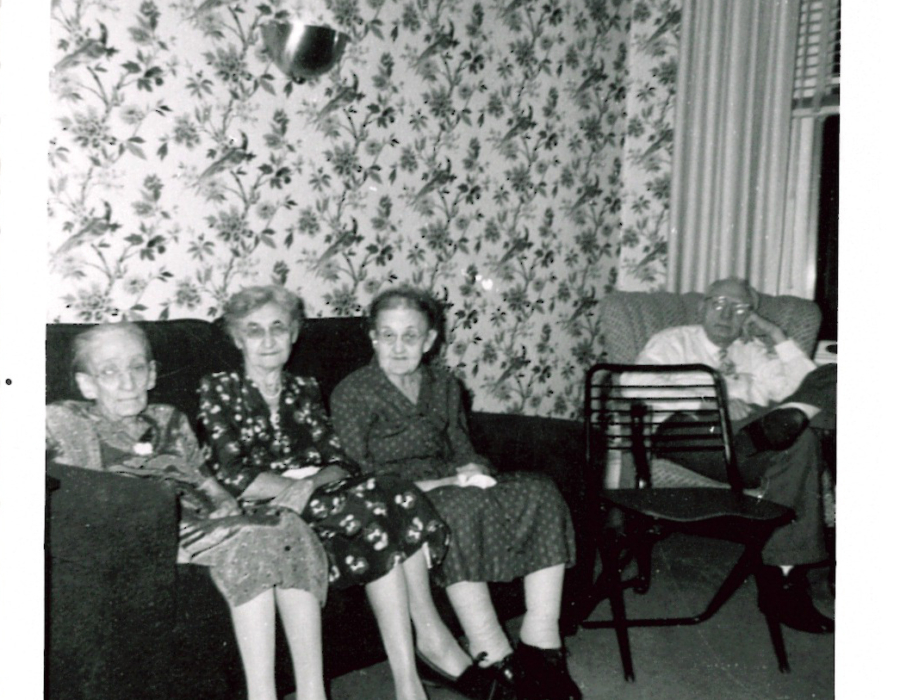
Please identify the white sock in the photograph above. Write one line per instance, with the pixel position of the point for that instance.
(543, 598)
(809, 410)
(472, 603)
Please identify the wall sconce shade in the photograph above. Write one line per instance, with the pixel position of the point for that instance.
(303, 51)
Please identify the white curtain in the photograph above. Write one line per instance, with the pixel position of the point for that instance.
(731, 190)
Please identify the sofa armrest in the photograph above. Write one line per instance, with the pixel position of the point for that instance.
(112, 543)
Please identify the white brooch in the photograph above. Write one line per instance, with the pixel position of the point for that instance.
(143, 449)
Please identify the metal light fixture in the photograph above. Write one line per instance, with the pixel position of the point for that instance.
(303, 51)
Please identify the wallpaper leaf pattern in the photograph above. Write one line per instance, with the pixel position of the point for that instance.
(513, 157)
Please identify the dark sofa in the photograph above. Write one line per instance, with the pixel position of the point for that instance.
(124, 621)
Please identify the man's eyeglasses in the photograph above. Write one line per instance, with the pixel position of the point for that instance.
(719, 304)
(138, 373)
(407, 337)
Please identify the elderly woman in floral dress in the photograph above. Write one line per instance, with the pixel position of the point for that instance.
(400, 415)
(260, 559)
(267, 427)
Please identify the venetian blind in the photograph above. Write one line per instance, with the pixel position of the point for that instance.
(817, 71)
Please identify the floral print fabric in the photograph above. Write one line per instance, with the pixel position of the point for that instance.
(366, 524)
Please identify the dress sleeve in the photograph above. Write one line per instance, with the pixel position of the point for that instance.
(184, 443)
(461, 448)
(70, 438)
(326, 448)
(233, 466)
(353, 419)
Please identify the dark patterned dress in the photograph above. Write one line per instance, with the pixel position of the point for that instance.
(518, 526)
(246, 554)
(366, 524)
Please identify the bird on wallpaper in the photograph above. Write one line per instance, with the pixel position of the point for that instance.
(593, 76)
(91, 229)
(672, 18)
(517, 246)
(343, 96)
(512, 7)
(89, 50)
(344, 239)
(589, 192)
(206, 6)
(662, 138)
(658, 249)
(442, 41)
(440, 177)
(233, 155)
(519, 124)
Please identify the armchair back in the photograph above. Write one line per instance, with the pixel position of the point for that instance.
(630, 319)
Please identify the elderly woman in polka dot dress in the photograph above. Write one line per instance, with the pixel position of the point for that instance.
(401, 416)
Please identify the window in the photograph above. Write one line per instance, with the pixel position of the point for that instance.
(817, 71)
(812, 209)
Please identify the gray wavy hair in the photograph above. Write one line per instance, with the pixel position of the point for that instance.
(250, 299)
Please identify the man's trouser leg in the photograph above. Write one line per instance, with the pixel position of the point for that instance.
(791, 478)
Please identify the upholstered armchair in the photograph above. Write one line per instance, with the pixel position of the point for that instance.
(629, 319)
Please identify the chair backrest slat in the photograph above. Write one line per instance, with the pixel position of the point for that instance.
(636, 409)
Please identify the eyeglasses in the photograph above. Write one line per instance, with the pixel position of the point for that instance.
(137, 372)
(389, 337)
(256, 332)
(719, 304)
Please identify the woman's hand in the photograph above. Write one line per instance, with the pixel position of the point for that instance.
(328, 474)
(472, 469)
(224, 504)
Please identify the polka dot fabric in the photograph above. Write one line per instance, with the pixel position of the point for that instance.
(518, 526)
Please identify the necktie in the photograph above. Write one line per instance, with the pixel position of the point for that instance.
(726, 364)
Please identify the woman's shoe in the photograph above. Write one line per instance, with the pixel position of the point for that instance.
(543, 674)
(475, 682)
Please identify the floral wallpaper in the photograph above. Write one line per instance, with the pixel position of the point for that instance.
(513, 157)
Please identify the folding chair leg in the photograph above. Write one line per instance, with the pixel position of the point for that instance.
(778, 643)
(610, 558)
(643, 551)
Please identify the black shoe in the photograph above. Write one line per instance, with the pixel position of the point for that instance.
(543, 675)
(475, 682)
(787, 599)
(777, 430)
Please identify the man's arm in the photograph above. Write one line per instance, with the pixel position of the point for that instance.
(769, 376)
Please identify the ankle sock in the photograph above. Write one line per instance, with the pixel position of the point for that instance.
(472, 603)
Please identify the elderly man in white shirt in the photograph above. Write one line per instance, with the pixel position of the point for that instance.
(774, 391)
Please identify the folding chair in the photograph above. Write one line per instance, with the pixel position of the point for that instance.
(638, 412)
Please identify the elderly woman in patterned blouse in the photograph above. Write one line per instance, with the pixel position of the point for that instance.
(398, 415)
(260, 559)
(266, 427)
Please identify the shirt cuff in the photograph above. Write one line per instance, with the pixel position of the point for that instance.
(788, 350)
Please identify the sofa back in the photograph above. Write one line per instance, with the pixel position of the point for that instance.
(187, 349)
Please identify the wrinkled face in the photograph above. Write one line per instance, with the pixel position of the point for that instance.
(725, 310)
(265, 338)
(119, 375)
(401, 337)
